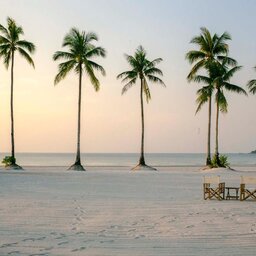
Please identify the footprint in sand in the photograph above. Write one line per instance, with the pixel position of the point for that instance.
(60, 237)
(107, 241)
(47, 248)
(131, 230)
(39, 254)
(139, 236)
(14, 252)
(79, 249)
(61, 243)
(80, 233)
(7, 245)
(40, 238)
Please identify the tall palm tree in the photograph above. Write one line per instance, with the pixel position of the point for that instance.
(211, 49)
(222, 75)
(252, 85)
(10, 43)
(143, 69)
(78, 58)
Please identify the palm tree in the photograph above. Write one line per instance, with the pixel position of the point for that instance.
(211, 49)
(10, 43)
(79, 57)
(145, 70)
(222, 75)
(252, 85)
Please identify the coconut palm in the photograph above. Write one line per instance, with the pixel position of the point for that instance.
(252, 85)
(211, 49)
(78, 58)
(143, 69)
(10, 43)
(222, 75)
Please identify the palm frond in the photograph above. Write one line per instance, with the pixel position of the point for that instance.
(129, 85)
(63, 55)
(64, 69)
(146, 90)
(94, 80)
(27, 57)
(91, 36)
(231, 72)
(195, 69)
(193, 56)
(228, 60)
(7, 58)
(202, 98)
(234, 88)
(153, 71)
(202, 79)
(131, 60)
(252, 86)
(96, 66)
(26, 45)
(4, 40)
(128, 75)
(154, 62)
(223, 104)
(96, 51)
(155, 79)
(4, 31)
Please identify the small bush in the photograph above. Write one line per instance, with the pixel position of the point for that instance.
(223, 161)
(8, 160)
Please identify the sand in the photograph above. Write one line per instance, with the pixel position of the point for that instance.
(112, 211)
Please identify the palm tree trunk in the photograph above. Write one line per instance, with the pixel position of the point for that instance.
(142, 160)
(217, 132)
(12, 114)
(78, 159)
(208, 159)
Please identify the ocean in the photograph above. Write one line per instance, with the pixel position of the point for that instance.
(127, 159)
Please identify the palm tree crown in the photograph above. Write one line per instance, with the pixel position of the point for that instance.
(10, 42)
(211, 49)
(79, 56)
(143, 69)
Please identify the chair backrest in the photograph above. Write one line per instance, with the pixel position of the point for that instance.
(248, 180)
(212, 179)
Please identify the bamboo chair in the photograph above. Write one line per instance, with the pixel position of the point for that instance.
(213, 188)
(247, 191)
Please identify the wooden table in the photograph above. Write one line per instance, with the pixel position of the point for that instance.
(231, 191)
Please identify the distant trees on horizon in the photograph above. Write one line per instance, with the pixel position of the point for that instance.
(211, 57)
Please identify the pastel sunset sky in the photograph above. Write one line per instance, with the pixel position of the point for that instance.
(46, 115)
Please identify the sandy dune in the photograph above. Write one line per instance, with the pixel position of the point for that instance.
(111, 211)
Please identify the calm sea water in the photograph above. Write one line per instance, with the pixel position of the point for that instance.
(126, 159)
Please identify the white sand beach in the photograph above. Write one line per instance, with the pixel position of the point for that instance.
(112, 211)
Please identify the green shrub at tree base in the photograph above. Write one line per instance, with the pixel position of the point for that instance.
(223, 161)
(9, 160)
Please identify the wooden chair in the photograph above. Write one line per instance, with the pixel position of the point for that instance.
(213, 188)
(247, 191)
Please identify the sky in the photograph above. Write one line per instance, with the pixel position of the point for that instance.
(46, 115)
